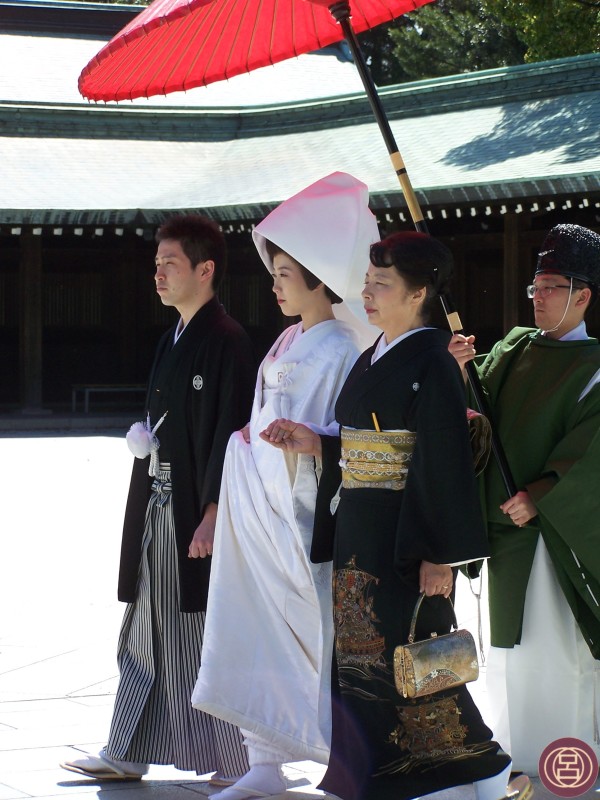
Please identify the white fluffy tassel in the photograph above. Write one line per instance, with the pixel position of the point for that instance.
(142, 442)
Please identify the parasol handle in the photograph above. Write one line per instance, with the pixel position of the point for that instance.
(340, 11)
(481, 400)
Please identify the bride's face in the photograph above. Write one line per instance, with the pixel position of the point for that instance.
(293, 295)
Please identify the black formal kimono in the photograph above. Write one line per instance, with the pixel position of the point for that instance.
(206, 384)
(384, 746)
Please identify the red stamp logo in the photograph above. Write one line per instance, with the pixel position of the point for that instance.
(568, 767)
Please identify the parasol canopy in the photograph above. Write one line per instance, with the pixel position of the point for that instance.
(176, 45)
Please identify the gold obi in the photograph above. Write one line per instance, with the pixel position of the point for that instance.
(376, 459)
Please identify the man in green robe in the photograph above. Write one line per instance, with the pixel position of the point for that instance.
(543, 387)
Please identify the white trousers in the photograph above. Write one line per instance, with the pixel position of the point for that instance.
(544, 688)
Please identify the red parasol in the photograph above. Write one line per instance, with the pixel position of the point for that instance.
(176, 45)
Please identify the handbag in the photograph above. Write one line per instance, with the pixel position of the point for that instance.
(437, 663)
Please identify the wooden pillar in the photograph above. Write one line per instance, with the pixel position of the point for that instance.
(30, 322)
(511, 283)
(128, 308)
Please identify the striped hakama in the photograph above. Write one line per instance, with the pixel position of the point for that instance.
(159, 658)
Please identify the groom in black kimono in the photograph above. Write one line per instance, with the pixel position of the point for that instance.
(200, 391)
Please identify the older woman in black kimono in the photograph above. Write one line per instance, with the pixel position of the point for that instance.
(400, 531)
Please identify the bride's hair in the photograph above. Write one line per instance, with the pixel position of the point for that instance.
(310, 279)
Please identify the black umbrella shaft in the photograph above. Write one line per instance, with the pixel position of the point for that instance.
(341, 13)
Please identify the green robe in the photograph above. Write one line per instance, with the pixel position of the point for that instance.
(552, 443)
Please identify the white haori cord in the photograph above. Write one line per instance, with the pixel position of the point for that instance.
(142, 442)
(477, 595)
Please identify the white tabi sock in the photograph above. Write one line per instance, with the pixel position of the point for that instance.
(493, 788)
(262, 780)
(127, 766)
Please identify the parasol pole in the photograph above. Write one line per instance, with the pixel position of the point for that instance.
(340, 11)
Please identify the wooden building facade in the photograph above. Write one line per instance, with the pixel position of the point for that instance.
(496, 158)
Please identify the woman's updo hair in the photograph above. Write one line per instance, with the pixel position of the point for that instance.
(310, 280)
(420, 259)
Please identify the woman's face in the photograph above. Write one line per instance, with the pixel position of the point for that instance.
(293, 295)
(388, 302)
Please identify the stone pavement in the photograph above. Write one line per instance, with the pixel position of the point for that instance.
(60, 520)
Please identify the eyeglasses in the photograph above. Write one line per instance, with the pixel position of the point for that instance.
(543, 291)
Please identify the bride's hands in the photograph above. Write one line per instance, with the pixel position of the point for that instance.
(292, 437)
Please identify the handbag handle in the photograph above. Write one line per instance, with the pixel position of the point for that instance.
(413, 622)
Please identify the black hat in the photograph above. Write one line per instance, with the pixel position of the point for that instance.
(572, 251)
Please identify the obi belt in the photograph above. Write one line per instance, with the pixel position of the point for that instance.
(376, 459)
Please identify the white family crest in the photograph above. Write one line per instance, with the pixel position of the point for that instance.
(197, 382)
(416, 386)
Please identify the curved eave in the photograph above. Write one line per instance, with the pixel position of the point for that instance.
(498, 137)
(506, 196)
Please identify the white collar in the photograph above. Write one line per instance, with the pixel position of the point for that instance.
(576, 334)
(178, 330)
(383, 346)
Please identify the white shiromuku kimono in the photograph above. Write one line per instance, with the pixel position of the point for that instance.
(266, 656)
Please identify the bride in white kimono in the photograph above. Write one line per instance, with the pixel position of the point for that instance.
(266, 657)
